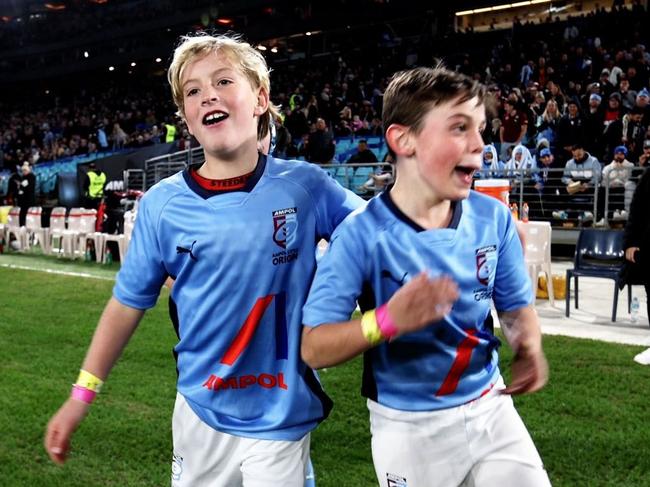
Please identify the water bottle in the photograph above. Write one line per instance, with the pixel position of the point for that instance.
(524, 213)
(634, 310)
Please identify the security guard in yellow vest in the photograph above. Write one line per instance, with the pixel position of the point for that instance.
(95, 181)
(170, 132)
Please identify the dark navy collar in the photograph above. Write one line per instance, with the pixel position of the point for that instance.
(456, 207)
(206, 193)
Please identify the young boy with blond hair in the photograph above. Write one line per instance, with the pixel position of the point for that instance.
(237, 235)
(439, 412)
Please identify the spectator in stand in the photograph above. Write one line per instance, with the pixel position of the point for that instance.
(549, 122)
(581, 176)
(555, 92)
(644, 158)
(616, 176)
(296, 122)
(363, 155)
(119, 137)
(628, 96)
(514, 124)
(492, 166)
(606, 88)
(545, 186)
(570, 130)
(320, 148)
(634, 130)
(593, 126)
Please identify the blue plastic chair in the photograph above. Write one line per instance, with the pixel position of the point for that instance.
(599, 253)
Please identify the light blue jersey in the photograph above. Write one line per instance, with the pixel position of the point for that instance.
(243, 262)
(378, 249)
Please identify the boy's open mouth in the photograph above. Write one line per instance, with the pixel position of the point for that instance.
(469, 171)
(214, 117)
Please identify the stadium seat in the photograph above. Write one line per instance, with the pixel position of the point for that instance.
(599, 253)
(538, 255)
(122, 239)
(36, 233)
(13, 228)
(57, 227)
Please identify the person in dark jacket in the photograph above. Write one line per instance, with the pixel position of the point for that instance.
(637, 244)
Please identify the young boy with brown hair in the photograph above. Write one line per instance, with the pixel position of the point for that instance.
(439, 412)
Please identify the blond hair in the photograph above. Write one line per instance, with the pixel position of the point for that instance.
(412, 93)
(245, 58)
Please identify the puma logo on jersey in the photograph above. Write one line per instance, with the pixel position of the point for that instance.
(183, 250)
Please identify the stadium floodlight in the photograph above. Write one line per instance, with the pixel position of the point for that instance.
(158, 60)
(111, 68)
(307, 33)
(274, 50)
(261, 47)
(86, 54)
(133, 64)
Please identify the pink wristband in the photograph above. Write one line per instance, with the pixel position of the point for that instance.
(385, 322)
(82, 394)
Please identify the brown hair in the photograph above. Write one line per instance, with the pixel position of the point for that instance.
(412, 93)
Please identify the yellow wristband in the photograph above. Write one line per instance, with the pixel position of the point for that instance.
(89, 381)
(370, 328)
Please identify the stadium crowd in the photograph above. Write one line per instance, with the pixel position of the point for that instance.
(555, 84)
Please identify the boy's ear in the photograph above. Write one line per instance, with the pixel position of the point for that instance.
(187, 126)
(262, 104)
(399, 138)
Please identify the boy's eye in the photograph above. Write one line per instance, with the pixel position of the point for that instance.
(223, 82)
(192, 91)
(460, 127)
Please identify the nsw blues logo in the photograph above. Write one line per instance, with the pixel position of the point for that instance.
(486, 266)
(285, 225)
(285, 235)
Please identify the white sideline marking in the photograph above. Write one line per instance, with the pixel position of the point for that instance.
(54, 271)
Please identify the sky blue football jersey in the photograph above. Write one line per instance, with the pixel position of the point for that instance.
(243, 262)
(377, 249)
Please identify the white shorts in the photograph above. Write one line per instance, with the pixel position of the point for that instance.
(206, 457)
(482, 443)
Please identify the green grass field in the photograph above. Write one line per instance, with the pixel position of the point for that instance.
(589, 423)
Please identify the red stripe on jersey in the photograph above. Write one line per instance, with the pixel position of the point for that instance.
(463, 356)
(221, 184)
(247, 330)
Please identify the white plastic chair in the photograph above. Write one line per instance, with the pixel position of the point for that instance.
(122, 239)
(36, 233)
(13, 228)
(538, 255)
(80, 223)
(57, 228)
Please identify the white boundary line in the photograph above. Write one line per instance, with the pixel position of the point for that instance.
(54, 271)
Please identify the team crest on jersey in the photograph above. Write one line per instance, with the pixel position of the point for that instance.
(395, 480)
(177, 467)
(285, 231)
(486, 260)
(285, 224)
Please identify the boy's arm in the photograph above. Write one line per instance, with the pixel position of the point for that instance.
(115, 327)
(529, 367)
(415, 305)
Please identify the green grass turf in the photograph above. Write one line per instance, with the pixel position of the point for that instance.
(589, 423)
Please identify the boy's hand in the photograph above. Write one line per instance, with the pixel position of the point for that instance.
(529, 372)
(61, 427)
(422, 301)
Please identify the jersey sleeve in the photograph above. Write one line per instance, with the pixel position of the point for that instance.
(339, 279)
(333, 203)
(512, 287)
(142, 273)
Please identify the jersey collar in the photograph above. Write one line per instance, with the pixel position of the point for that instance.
(457, 209)
(206, 193)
